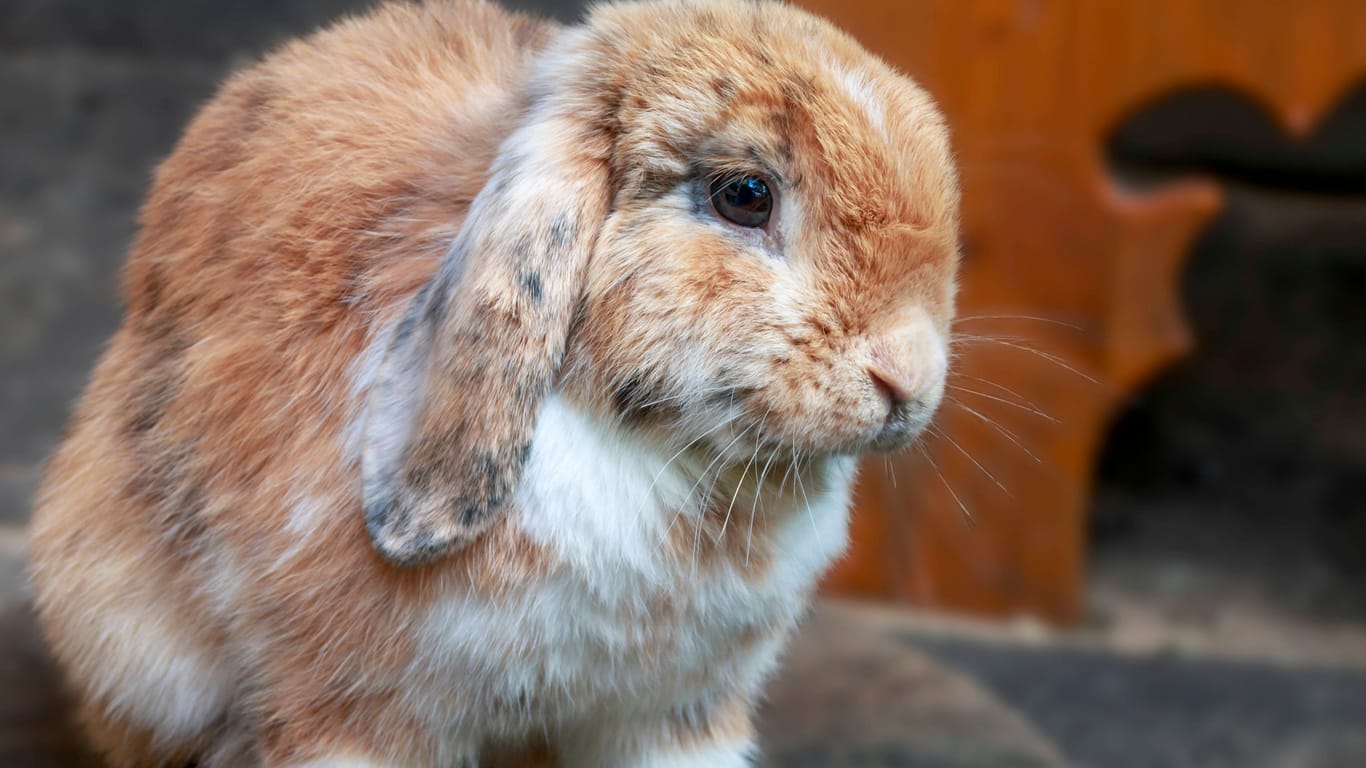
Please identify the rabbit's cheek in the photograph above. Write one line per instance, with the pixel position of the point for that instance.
(830, 392)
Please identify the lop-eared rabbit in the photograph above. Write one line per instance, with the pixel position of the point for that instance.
(491, 391)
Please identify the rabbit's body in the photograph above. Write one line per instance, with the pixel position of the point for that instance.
(341, 490)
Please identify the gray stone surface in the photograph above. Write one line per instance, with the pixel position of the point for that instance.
(852, 692)
(1109, 711)
(13, 587)
(204, 29)
(79, 135)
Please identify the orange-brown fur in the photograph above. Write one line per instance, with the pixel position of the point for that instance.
(304, 208)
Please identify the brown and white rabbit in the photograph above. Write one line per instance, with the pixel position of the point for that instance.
(490, 390)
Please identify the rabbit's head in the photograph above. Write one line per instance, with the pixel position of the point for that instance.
(722, 222)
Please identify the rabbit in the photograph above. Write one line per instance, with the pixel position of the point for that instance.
(489, 391)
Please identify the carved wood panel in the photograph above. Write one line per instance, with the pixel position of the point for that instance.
(993, 520)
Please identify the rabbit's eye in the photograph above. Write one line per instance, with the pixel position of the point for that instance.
(745, 200)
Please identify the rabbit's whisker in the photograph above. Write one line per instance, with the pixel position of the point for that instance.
(754, 506)
(810, 516)
(1007, 434)
(783, 484)
(681, 451)
(967, 515)
(940, 433)
(1011, 403)
(1003, 389)
(684, 505)
(739, 484)
(680, 396)
(758, 445)
(1049, 320)
(1016, 344)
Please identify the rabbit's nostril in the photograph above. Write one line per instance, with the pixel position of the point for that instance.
(894, 392)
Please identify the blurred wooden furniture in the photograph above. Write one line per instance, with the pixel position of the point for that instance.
(1069, 299)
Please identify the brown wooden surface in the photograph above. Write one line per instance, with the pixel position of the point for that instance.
(1031, 88)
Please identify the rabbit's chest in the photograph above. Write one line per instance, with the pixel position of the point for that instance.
(557, 651)
(619, 616)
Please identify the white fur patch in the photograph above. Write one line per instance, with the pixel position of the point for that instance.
(604, 499)
(151, 672)
(365, 372)
(860, 88)
(710, 756)
(621, 628)
(307, 514)
(594, 496)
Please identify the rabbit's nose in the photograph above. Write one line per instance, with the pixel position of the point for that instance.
(905, 405)
(896, 390)
(906, 366)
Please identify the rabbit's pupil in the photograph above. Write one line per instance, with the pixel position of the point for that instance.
(745, 201)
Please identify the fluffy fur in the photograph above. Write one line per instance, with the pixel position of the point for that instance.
(449, 424)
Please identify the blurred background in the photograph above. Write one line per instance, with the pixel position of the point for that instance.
(1138, 534)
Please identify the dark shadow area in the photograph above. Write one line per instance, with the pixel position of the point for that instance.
(36, 719)
(1215, 131)
(1244, 467)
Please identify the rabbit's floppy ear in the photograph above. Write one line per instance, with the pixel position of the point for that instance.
(451, 414)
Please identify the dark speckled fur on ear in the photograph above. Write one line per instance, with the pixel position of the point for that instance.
(451, 415)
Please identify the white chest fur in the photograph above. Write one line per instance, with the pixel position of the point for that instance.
(620, 620)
